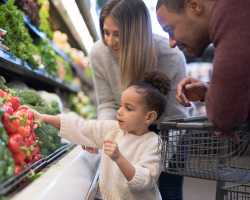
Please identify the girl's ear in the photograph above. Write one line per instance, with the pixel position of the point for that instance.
(151, 117)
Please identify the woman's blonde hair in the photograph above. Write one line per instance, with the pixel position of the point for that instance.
(137, 49)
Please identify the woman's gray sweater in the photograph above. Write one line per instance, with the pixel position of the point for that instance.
(105, 67)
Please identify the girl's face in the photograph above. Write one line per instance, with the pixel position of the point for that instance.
(111, 35)
(132, 115)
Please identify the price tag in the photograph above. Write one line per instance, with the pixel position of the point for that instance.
(18, 61)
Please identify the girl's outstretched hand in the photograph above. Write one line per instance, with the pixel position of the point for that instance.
(36, 115)
(110, 148)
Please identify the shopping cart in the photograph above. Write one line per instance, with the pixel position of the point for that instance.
(190, 147)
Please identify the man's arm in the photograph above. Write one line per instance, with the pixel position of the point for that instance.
(228, 98)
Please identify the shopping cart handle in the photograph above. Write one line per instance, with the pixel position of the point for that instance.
(189, 119)
(201, 123)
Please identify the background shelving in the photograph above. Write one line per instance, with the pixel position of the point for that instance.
(14, 68)
(36, 33)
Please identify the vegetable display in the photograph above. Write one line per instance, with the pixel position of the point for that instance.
(17, 38)
(7, 163)
(44, 18)
(47, 134)
(31, 9)
(81, 104)
(48, 56)
(65, 71)
(21, 145)
(19, 125)
(2, 46)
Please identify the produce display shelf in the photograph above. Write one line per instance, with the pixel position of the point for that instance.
(80, 74)
(21, 180)
(10, 63)
(84, 79)
(34, 29)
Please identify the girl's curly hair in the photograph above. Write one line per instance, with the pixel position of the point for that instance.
(154, 87)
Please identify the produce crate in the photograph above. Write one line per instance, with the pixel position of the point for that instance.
(22, 179)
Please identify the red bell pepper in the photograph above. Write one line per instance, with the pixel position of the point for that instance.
(1, 93)
(19, 112)
(7, 105)
(18, 169)
(14, 100)
(10, 123)
(33, 144)
(24, 165)
(36, 158)
(19, 158)
(29, 116)
(17, 144)
(24, 129)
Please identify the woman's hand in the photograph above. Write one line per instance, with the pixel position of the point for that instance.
(190, 89)
(90, 149)
(111, 149)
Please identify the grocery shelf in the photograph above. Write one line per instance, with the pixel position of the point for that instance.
(40, 34)
(84, 79)
(11, 64)
(79, 72)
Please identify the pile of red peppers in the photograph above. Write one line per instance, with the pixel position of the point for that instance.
(19, 125)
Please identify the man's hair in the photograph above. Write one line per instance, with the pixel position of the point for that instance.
(172, 5)
(177, 6)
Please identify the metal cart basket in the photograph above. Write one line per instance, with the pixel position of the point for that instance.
(190, 147)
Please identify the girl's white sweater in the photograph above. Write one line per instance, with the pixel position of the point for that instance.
(141, 151)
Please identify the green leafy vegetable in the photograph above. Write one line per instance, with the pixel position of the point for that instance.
(44, 19)
(48, 56)
(17, 37)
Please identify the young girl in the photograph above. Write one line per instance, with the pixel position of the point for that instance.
(130, 162)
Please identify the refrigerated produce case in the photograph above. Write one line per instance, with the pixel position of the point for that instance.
(70, 177)
(67, 173)
(74, 174)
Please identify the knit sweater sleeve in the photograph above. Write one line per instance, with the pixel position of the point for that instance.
(99, 59)
(86, 133)
(148, 168)
(228, 98)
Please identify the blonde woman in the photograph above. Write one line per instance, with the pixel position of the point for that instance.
(129, 48)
